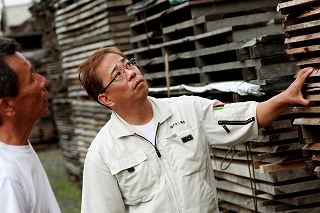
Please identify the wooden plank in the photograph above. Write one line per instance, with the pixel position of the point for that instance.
(279, 124)
(309, 61)
(247, 34)
(241, 169)
(76, 5)
(294, 5)
(277, 70)
(277, 158)
(302, 26)
(198, 53)
(281, 166)
(316, 157)
(310, 133)
(311, 109)
(225, 7)
(314, 11)
(264, 147)
(306, 121)
(232, 187)
(243, 21)
(78, 10)
(181, 41)
(232, 208)
(312, 147)
(315, 97)
(302, 38)
(82, 15)
(312, 209)
(184, 25)
(312, 85)
(305, 49)
(303, 199)
(91, 37)
(135, 9)
(170, 10)
(145, 36)
(77, 25)
(278, 136)
(204, 69)
(264, 50)
(247, 202)
(275, 190)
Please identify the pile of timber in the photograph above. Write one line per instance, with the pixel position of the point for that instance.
(302, 26)
(271, 174)
(205, 41)
(201, 42)
(81, 28)
(44, 14)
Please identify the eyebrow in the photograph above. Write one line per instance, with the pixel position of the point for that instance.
(115, 67)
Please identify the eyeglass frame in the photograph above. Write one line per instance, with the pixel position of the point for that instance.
(131, 61)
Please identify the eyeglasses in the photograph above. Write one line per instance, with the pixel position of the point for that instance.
(121, 73)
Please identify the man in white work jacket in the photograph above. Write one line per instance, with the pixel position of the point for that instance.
(153, 155)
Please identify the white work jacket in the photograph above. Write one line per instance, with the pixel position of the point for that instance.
(124, 172)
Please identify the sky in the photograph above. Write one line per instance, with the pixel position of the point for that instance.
(15, 2)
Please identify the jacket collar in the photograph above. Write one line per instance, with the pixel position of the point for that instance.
(160, 113)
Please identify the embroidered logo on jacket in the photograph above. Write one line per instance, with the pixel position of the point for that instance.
(178, 123)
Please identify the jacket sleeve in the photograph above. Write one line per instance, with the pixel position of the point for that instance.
(230, 124)
(100, 191)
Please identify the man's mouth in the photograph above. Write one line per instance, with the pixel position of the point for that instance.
(138, 82)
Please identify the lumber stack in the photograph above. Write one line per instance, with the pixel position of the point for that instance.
(82, 27)
(284, 178)
(197, 43)
(205, 41)
(271, 174)
(302, 29)
(43, 13)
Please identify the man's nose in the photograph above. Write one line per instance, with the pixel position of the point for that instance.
(130, 74)
(43, 81)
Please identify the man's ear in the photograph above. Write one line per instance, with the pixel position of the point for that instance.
(6, 108)
(103, 99)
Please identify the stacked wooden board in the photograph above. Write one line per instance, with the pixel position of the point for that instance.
(44, 13)
(82, 27)
(202, 42)
(282, 179)
(210, 41)
(195, 43)
(302, 26)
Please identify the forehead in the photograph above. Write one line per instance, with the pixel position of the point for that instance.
(18, 63)
(109, 61)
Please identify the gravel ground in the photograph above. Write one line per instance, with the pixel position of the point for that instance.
(67, 192)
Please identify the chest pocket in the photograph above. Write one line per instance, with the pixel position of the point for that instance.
(134, 175)
(189, 150)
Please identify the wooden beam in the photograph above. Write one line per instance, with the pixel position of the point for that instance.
(281, 166)
(305, 49)
(302, 38)
(302, 199)
(241, 169)
(307, 121)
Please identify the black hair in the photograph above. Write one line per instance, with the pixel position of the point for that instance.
(8, 77)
